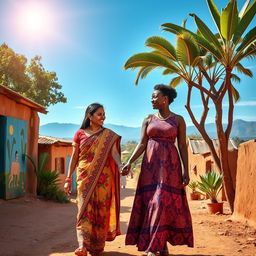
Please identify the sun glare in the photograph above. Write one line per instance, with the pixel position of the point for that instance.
(35, 21)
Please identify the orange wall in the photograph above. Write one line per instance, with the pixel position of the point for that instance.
(13, 109)
(55, 151)
(200, 162)
(245, 200)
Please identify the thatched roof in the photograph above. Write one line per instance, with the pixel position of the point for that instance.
(199, 146)
(48, 140)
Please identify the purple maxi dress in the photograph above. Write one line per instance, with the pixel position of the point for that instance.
(160, 211)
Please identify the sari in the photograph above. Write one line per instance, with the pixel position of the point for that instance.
(98, 190)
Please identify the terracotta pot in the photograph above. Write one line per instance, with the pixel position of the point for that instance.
(215, 207)
(194, 196)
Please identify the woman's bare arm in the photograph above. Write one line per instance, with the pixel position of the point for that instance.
(142, 144)
(182, 145)
(72, 167)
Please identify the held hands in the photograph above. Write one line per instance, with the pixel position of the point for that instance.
(67, 186)
(185, 179)
(126, 169)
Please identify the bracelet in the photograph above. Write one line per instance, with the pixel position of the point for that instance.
(68, 180)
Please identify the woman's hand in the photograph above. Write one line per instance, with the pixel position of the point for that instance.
(126, 169)
(67, 186)
(185, 179)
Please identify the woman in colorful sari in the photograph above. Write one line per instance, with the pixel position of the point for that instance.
(160, 211)
(96, 154)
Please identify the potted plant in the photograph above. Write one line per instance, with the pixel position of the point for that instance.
(210, 185)
(194, 195)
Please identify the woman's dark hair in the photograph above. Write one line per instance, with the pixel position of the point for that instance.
(91, 109)
(166, 91)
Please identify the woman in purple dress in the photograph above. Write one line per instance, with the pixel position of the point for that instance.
(160, 211)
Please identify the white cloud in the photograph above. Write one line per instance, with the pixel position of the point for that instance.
(249, 103)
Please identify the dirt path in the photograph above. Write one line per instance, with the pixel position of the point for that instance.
(39, 228)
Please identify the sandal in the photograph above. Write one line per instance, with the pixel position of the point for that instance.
(81, 251)
(165, 252)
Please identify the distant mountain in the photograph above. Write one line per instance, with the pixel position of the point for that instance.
(67, 131)
(243, 129)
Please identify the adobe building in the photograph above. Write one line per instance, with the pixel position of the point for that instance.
(59, 153)
(245, 199)
(19, 126)
(200, 159)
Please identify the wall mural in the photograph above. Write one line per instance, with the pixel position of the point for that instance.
(13, 146)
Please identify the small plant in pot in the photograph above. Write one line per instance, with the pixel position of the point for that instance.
(194, 195)
(210, 185)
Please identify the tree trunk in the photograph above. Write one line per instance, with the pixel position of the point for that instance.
(223, 144)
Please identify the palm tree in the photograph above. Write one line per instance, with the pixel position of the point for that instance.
(206, 62)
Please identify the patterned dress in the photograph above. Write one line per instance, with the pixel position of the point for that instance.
(160, 211)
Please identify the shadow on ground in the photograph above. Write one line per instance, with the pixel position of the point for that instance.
(126, 192)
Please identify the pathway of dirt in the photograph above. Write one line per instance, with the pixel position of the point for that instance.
(40, 228)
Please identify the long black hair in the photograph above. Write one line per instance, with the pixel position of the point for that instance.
(91, 109)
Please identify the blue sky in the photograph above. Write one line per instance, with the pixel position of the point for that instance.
(86, 42)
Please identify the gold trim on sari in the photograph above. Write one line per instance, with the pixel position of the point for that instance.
(94, 157)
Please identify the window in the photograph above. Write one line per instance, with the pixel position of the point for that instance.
(59, 165)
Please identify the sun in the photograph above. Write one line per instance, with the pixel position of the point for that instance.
(35, 20)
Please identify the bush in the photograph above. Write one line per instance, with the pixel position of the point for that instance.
(48, 181)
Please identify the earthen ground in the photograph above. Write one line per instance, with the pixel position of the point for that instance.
(43, 228)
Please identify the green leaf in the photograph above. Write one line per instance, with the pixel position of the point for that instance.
(167, 72)
(235, 78)
(249, 38)
(176, 81)
(214, 12)
(162, 45)
(229, 20)
(149, 59)
(207, 33)
(42, 161)
(143, 73)
(241, 13)
(235, 93)
(244, 22)
(187, 50)
(246, 71)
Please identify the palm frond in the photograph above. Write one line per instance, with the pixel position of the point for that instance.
(207, 33)
(235, 93)
(187, 50)
(244, 22)
(249, 38)
(229, 20)
(143, 73)
(150, 59)
(161, 44)
(176, 81)
(246, 71)
(235, 78)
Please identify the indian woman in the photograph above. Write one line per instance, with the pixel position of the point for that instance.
(96, 158)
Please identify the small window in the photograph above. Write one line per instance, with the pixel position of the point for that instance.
(59, 165)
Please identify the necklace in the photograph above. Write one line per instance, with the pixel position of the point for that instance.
(162, 118)
(90, 132)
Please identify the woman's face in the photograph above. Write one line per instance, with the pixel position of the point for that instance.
(158, 99)
(98, 117)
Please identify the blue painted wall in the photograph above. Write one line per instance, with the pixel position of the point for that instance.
(13, 146)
